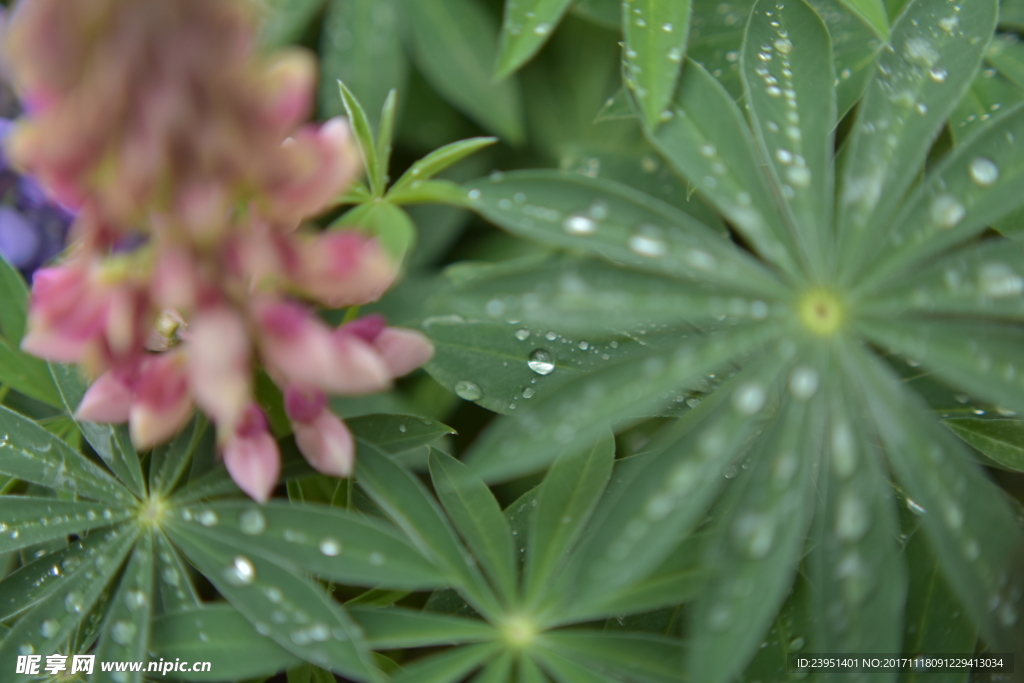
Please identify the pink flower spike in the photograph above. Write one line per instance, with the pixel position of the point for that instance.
(161, 404)
(303, 404)
(345, 269)
(327, 444)
(219, 365)
(403, 350)
(251, 456)
(67, 314)
(108, 400)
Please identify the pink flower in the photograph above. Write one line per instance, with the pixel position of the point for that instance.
(108, 400)
(343, 268)
(251, 455)
(161, 404)
(322, 438)
(220, 364)
(67, 314)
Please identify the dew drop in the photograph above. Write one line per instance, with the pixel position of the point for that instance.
(799, 176)
(468, 391)
(252, 522)
(675, 55)
(240, 572)
(376, 559)
(938, 75)
(796, 643)
(474, 195)
(541, 362)
(999, 280)
(135, 600)
(649, 241)
(803, 383)
(920, 52)
(783, 45)
(748, 398)
(983, 171)
(528, 392)
(542, 29)
(579, 225)
(852, 519)
(74, 603)
(49, 628)
(330, 547)
(123, 632)
(667, 28)
(207, 518)
(915, 507)
(523, 334)
(755, 533)
(947, 211)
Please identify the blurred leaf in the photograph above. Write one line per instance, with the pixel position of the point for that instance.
(218, 634)
(790, 632)
(655, 34)
(364, 138)
(455, 48)
(29, 520)
(440, 159)
(990, 91)
(173, 584)
(1000, 440)
(168, 461)
(14, 295)
(430, 191)
(385, 140)
(360, 46)
(27, 374)
(873, 13)
(398, 627)
(450, 666)
(30, 453)
(284, 21)
(499, 670)
(475, 513)
(126, 632)
(526, 27)
(634, 656)
(397, 434)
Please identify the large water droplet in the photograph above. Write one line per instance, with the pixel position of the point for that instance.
(49, 628)
(755, 534)
(999, 280)
(579, 225)
(468, 390)
(983, 171)
(528, 392)
(947, 211)
(207, 517)
(852, 519)
(74, 603)
(938, 75)
(803, 383)
(240, 572)
(748, 398)
(123, 632)
(252, 522)
(522, 335)
(920, 52)
(541, 362)
(649, 241)
(330, 547)
(135, 600)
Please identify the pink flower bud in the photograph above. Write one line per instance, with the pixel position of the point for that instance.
(220, 365)
(108, 400)
(316, 165)
(251, 455)
(403, 350)
(303, 404)
(175, 279)
(326, 443)
(367, 328)
(289, 89)
(302, 349)
(67, 314)
(161, 404)
(344, 268)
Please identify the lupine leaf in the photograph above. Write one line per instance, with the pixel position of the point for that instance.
(364, 137)
(526, 27)
(529, 672)
(1007, 54)
(360, 46)
(873, 13)
(264, 588)
(644, 657)
(14, 294)
(440, 159)
(475, 513)
(454, 49)
(791, 93)
(396, 434)
(916, 87)
(989, 92)
(332, 543)
(499, 670)
(27, 374)
(126, 631)
(168, 461)
(604, 13)
(708, 142)
(760, 537)
(581, 409)
(430, 192)
(385, 139)
(49, 623)
(979, 544)
(449, 666)
(111, 442)
(402, 497)
(30, 453)
(854, 49)
(30, 521)
(398, 627)
(1000, 440)
(655, 34)
(790, 633)
(565, 670)
(614, 221)
(218, 634)
(173, 584)
(565, 502)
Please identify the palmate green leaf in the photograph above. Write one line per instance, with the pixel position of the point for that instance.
(970, 525)
(111, 442)
(263, 587)
(791, 93)
(655, 34)
(529, 671)
(455, 49)
(612, 220)
(758, 544)
(440, 159)
(790, 632)
(14, 294)
(854, 562)
(450, 666)
(604, 13)
(854, 49)
(935, 56)
(935, 621)
(589, 297)
(1000, 440)
(499, 670)
(873, 13)
(126, 630)
(565, 670)
(30, 453)
(173, 585)
(396, 434)
(218, 634)
(643, 385)
(973, 187)
(708, 142)
(364, 138)
(360, 46)
(989, 92)
(633, 656)
(30, 521)
(284, 21)
(41, 578)
(981, 362)
(398, 627)
(27, 374)
(49, 623)
(565, 501)
(525, 29)
(475, 513)
(168, 461)
(1006, 54)
(403, 498)
(330, 542)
